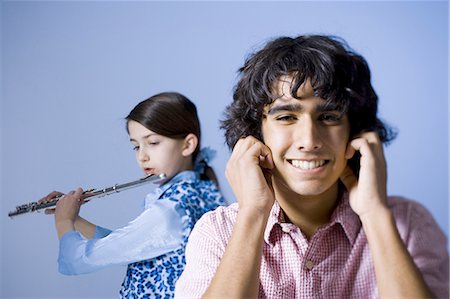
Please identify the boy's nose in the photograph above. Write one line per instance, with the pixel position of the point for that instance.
(308, 135)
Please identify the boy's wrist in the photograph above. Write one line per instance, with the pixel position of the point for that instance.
(253, 220)
(376, 217)
(251, 212)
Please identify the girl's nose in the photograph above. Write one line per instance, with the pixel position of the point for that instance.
(142, 155)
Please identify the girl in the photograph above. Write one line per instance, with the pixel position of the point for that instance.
(165, 133)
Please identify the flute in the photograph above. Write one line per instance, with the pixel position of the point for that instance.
(88, 194)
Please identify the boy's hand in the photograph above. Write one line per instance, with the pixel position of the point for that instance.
(248, 172)
(367, 193)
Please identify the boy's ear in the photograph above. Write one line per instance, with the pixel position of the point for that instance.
(349, 152)
(189, 145)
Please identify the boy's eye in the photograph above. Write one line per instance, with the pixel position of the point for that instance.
(285, 117)
(330, 117)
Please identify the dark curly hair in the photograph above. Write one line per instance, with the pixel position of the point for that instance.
(336, 72)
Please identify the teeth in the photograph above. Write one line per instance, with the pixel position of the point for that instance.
(307, 165)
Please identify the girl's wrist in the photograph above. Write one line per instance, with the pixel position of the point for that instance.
(64, 226)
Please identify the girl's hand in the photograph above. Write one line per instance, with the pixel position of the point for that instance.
(248, 172)
(66, 211)
(367, 193)
(48, 198)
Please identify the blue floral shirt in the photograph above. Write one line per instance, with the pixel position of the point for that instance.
(152, 245)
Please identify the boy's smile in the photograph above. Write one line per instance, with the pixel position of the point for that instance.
(308, 140)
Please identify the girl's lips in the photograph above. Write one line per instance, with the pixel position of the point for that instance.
(149, 171)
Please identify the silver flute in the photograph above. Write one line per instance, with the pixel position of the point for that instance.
(37, 206)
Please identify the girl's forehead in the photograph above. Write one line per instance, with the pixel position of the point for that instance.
(137, 130)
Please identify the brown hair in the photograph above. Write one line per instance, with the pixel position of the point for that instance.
(172, 115)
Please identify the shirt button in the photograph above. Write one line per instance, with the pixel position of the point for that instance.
(309, 265)
(286, 229)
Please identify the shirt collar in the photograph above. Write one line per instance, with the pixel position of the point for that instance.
(342, 215)
(187, 175)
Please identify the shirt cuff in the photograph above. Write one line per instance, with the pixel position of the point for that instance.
(66, 248)
(101, 232)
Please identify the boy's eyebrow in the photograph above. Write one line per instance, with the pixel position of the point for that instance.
(323, 107)
(285, 108)
(328, 106)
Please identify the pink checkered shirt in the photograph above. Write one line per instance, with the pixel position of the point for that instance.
(335, 263)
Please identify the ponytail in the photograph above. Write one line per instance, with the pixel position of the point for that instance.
(202, 167)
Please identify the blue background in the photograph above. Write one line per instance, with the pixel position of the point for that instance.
(72, 70)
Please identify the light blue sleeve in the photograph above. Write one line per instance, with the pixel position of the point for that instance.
(101, 232)
(158, 230)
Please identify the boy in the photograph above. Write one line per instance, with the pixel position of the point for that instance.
(308, 171)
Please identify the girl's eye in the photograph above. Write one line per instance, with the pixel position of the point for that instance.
(136, 148)
(153, 143)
